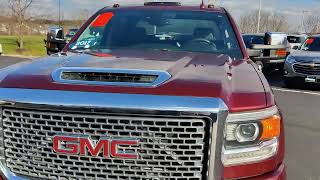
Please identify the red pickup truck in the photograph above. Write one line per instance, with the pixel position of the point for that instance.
(159, 91)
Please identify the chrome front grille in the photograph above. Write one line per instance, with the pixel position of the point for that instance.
(170, 147)
(307, 68)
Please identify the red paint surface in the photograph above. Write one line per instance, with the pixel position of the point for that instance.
(102, 19)
(193, 74)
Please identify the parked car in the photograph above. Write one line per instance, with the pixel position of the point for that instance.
(160, 91)
(1, 50)
(296, 40)
(55, 41)
(268, 50)
(303, 65)
(70, 34)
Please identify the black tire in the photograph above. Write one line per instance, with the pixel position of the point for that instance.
(49, 53)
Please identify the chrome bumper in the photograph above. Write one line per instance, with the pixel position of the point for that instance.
(152, 104)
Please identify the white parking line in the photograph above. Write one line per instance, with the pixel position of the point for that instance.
(296, 91)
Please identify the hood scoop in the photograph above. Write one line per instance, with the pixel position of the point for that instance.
(111, 77)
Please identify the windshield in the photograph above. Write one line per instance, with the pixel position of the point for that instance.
(253, 39)
(207, 32)
(296, 39)
(311, 44)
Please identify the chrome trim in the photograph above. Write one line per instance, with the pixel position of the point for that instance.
(252, 115)
(163, 76)
(299, 63)
(146, 103)
(273, 142)
(111, 100)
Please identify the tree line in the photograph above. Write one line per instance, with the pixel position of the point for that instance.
(276, 22)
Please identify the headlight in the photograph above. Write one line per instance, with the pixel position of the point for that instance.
(251, 137)
(290, 59)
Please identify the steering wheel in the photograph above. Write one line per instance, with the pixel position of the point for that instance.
(206, 41)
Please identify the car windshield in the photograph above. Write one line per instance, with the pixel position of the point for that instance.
(296, 39)
(73, 31)
(207, 32)
(311, 44)
(253, 39)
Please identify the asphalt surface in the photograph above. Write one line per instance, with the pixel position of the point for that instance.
(301, 109)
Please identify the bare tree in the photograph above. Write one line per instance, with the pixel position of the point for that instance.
(19, 12)
(268, 22)
(312, 24)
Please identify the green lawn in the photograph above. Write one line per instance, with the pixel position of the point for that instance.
(33, 45)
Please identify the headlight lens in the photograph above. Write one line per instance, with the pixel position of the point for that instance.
(251, 137)
(247, 132)
(290, 59)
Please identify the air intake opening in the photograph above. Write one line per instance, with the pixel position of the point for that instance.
(120, 77)
(108, 77)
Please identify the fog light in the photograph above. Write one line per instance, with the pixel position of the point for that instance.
(247, 132)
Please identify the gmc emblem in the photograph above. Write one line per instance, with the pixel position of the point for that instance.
(85, 146)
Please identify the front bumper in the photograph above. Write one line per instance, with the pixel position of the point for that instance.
(290, 73)
(270, 59)
(279, 174)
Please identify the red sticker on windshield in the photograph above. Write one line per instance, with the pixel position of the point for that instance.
(102, 19)
(310, 41)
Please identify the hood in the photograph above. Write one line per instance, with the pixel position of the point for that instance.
(306, 56)
(192, 74)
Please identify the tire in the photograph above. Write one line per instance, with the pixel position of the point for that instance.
(49, 53)
(260, 65)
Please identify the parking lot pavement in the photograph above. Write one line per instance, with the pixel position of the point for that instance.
(301, 110)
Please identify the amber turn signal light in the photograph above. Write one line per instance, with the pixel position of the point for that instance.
(271, 127)
(281, 52)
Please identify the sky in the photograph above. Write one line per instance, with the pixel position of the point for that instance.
(291, 8)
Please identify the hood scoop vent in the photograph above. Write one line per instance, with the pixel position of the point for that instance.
(113, 77)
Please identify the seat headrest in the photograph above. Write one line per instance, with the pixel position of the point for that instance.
(202, 32)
